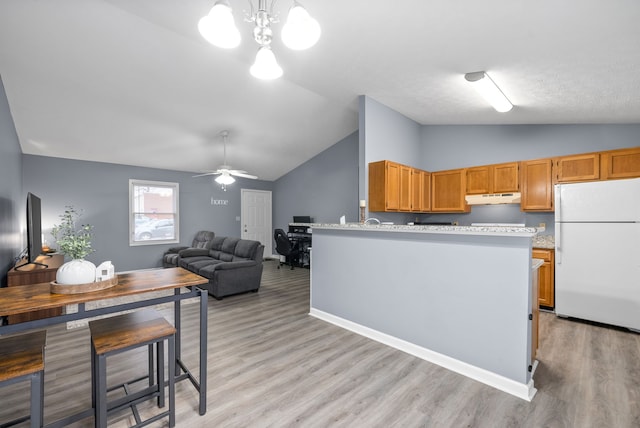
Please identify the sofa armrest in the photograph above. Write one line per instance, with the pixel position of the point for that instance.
(192, 252)
(174, 250)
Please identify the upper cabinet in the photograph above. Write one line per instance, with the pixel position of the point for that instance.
(448, 189)
(425, 191)
(537, 186)
(499, 178)
(398, 188)
(571, 169)
(623, 163)
(384, 186)
(405, 188)
(420, 191)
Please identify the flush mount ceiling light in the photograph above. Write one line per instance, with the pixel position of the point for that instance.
(489, 90)
(300, 32)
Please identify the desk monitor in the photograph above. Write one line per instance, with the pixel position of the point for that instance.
(302, 219)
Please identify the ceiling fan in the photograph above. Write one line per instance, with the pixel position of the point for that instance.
(224, 172)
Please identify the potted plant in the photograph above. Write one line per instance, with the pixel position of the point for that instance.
(74, 242)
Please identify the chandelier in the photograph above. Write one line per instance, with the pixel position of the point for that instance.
(299, 32)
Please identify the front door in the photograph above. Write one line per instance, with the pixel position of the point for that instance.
(256, 217)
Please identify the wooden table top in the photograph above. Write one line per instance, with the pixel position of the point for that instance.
(16, 300)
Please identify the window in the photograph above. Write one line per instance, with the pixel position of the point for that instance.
(153, 213)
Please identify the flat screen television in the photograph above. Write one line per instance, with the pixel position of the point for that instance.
(34, 231)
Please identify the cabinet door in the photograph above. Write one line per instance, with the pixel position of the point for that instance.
(505, 178)
(478, 180)
(392, 186)
(405, 188)
(546, 280)
(537, 187)
(416, 190)
(577, 168)
(425, 197)
(448, 191)
(623, 163)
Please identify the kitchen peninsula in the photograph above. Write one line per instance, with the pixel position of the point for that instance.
(458, 296)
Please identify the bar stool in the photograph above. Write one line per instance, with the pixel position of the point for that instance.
(22, 358)
(110, 336)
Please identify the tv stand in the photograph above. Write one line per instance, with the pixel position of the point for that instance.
(25, 274)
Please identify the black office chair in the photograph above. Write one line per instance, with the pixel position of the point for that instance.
(285, 248)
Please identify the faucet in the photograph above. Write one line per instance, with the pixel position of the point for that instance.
(372, 220)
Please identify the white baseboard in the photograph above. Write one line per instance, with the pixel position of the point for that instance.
(525, 392)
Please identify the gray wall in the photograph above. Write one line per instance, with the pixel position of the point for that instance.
(448, 147)
(420, 293)
(12, 199)
(386, 134)
(325, 187)
(101, 190)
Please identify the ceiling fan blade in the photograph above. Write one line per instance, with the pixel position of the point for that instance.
(242, 174)
(206, 173)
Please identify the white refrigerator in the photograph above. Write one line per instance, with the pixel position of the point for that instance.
(597, 244)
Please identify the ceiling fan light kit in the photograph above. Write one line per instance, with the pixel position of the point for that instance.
(224, 172)
(486, 87)
(300, 31)
(225, 179)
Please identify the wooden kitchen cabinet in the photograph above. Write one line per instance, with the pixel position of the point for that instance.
(384, 186)
(416, 190)
(425, 195)
(34, 274)
(624, 163)
(405, 188)
(478, 180)
(448, 189)
(395, 187)
(420, 191)
(498, 178)
(576, 168)
(536, 179)
(546, 277)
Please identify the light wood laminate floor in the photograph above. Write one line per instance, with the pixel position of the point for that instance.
(272, 365)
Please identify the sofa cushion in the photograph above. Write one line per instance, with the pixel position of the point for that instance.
(204, 267)
(216, 243)
(245, 249)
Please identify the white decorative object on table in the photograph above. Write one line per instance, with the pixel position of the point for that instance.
(77, 271)
(105, 271)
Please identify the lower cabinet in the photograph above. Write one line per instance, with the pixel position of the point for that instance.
(546, 277)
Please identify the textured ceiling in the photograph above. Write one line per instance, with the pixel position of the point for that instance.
(132, 81)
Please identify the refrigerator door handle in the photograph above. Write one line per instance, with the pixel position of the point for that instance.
(558, 241)
(558, 237)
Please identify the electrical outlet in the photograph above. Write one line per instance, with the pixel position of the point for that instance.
(543, 225)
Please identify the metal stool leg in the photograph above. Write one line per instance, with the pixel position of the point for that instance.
(37, 400)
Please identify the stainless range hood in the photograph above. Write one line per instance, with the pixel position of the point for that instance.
(493, 199)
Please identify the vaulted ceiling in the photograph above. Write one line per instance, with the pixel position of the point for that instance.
(133, 82)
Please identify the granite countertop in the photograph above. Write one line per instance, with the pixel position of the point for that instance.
(544, 241)
(463, 230)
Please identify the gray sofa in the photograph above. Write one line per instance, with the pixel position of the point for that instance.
(232, 265)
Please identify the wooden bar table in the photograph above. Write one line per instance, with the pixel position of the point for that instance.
(19, 300)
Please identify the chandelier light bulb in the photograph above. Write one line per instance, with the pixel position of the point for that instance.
(225, 179)
(266, 67)
(301, 31)
(219, 28)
